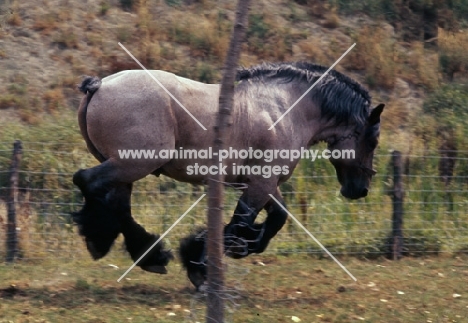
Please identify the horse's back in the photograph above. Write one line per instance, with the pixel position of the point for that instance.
(132, 111)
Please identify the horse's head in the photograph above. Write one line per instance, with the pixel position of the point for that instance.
(355, 172)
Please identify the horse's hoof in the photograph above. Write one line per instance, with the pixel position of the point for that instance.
(197, 278)
(155, 269)
(192, 255)
(97, 250)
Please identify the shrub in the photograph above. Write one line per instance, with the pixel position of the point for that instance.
(10, 101)
(15, 19)
(46, 23)
(424, 66)
(127, 4)
(104, 6)
(450, 99)
(459, 7)
(331, 19)
(205, 36)
(453, 54)
(314, 51)
(66, 39)
(54, 99)
(370, 7)
(447, 106)
(374, 53)
(266, 41)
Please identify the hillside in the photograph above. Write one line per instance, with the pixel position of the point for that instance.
(46, 46)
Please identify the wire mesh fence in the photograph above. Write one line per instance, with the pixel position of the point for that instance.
(435, 203)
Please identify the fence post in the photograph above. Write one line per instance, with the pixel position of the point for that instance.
(11, 236)
(397, 196)
(215, 236)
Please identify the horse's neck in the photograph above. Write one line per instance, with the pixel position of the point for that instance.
(328, 131)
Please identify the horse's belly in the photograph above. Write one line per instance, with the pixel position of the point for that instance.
(196, 171)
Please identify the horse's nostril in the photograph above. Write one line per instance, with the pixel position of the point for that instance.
(364, 192)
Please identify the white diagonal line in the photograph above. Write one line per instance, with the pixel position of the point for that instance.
(160, 238)
(162, 86)
(313, 238)
(321, 77)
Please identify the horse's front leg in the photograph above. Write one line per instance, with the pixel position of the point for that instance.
(243, 236)
(107, 212)
(241, 232)
(275, 220)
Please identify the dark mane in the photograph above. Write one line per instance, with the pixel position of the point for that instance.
(341, 98)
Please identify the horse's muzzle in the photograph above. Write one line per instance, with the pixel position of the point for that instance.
(354, 194)
(155, 269)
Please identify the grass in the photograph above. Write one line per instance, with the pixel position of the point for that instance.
(267, 288)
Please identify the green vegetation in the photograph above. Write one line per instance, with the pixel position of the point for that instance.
(370, 7)
(389, 8)
(127, 4)
(451, 100)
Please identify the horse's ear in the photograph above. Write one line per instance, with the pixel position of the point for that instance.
(374, 116)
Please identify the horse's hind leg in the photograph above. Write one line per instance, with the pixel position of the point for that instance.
(105, 202)
(106, 213)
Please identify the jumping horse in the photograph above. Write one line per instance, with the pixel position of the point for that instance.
(128, 110)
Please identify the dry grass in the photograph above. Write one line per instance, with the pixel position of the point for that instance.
(331, 19)
(66, 38)
(424, 67)
(54, 99)
(205, 36)
(268, 289)
(267, 40)
(313, 50)
(374, 54)
(46, 23)
(191, 40)
(15, 19)
(31, 113)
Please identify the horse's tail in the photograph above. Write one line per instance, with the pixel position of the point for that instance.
(88, 86)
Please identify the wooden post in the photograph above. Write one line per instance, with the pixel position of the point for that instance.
(397, 196)
(11, 236)
(215, 236)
